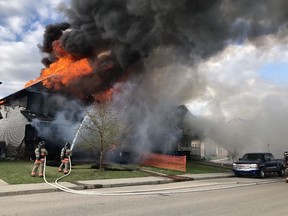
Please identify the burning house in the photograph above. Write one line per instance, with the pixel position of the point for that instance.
(30, 114)
(26, 117)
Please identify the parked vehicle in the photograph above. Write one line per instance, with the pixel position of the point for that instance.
(258, 164)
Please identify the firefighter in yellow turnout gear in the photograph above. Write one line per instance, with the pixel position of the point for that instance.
(40, 153)
(65, 155)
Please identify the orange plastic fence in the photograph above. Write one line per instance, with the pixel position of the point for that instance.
(165, 161)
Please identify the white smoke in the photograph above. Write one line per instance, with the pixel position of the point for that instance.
(235, 106)
(65, 123)
(241, 109)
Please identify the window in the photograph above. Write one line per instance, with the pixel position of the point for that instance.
(253, 157)
(194, 145)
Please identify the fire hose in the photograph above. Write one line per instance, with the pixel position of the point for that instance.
(69, 190)
(124, 193)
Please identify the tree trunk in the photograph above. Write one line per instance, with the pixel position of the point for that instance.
(101, 160)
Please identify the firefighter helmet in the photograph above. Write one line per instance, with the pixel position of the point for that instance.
(67, 145)
(41, 144)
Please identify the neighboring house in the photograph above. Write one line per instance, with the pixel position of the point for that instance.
(213, 150)
(196, 148)
(221, 152)
(190, 142)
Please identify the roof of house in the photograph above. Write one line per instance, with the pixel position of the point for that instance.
(36, 87)
(29, 115)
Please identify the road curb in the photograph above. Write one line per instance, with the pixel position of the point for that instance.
(24, 192)
(12, 190)
(97, 186)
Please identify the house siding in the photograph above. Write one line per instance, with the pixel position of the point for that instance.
(12, 128)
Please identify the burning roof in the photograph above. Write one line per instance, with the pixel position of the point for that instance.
(78, 75)
(36, 87)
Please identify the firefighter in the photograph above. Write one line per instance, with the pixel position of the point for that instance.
(40, 153)
(286, 165)
(65, 155)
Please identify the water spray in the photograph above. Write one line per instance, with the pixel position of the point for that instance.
(78, 131)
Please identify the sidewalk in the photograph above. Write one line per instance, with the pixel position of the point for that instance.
(21, 189)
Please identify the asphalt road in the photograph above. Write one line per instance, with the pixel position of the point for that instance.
(228, 196)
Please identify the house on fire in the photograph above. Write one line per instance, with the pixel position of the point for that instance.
(18, 136)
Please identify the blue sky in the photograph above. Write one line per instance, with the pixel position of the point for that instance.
(276, 73)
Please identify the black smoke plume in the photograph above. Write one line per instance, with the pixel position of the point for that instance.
(162, 38)
(51, 34)
(132, 29)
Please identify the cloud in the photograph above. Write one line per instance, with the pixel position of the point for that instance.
(6, 34)
(22, 26)
(240, 107)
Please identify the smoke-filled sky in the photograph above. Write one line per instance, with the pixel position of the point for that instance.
(227, 60)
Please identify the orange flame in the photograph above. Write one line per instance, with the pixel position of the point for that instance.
(65, 70)
(69, 69)
(105, 96)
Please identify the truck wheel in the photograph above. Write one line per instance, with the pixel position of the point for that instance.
(281, 172)
(262, 173)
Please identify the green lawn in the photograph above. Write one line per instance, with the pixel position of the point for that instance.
(18, 172)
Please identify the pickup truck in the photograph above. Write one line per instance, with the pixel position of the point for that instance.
(258, 164)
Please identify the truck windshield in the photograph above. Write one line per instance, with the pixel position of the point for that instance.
(253, 157)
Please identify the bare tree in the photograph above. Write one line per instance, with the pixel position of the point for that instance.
(101, 129)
